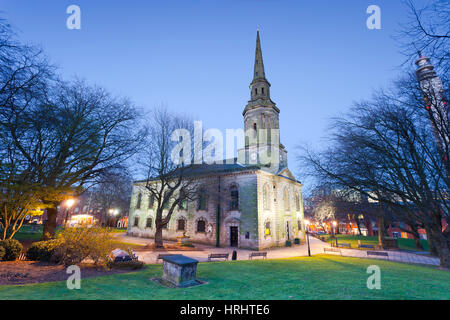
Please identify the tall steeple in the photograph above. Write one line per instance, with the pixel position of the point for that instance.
(259, 64)
(259, 87)
(261, 122)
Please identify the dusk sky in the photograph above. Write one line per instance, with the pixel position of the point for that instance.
(197, 56)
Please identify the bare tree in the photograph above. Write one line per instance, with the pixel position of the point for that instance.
(170, 178)
(112, 191)
(385, 149)
(427, 30)
(24, 75)
(71, 137)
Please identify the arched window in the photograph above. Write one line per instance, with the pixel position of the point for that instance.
(297, 202)
(201, 202)
(287, 206)
(256, 90)
(201, 226)
(262, 90)
(149, 223)
(181, 224)
(138, 202)
(254, 126)
(136, 221)
(266, 197)
(234, 198)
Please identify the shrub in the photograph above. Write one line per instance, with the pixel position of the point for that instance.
(12, 247)
(2, 253)
(296, 241)
(131, 264)
(43, 250)
(80, 243)
(288, 243)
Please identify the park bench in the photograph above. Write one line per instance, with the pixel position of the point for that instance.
(218, 256)
(368, 246)
(332, 249)
(378, 253)
(347, 245)
(257, 254)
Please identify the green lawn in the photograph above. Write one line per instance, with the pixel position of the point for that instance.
(407, 244)
(319, 277)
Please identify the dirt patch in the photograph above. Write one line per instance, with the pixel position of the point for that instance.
(26, 272)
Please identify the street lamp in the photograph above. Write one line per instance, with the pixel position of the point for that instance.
(69, 203)
(307, 236)
(334, 224)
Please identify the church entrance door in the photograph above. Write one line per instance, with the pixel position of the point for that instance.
(234, 233)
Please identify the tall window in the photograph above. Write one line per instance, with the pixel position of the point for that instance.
(286, 200)
(201, 226)
(138, 202)
(136, 221)
(297, 202)
(234, 195)
(266, 197)
(151, 201)
(201, 202)
(181, 224)
(149, 223)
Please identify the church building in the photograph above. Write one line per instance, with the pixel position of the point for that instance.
(252, 202)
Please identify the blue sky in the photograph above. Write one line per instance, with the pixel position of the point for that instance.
(197, 56)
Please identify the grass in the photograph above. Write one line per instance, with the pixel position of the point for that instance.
(318, 277)
(406, 244)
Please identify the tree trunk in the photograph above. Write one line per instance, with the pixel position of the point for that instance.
(431, 245)
(416, 236)
(158, 237)
(50, 224)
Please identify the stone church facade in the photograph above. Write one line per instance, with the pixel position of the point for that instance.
(248, 203)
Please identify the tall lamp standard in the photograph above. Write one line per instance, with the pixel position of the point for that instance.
(334, 228)
(69, 203)
(307, 236)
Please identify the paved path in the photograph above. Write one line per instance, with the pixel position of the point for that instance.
(284, 252)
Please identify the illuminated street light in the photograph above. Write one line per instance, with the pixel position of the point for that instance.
(69, 203)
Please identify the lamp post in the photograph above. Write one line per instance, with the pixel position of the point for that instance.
(69, 203)
(307, 236)
(335, 236)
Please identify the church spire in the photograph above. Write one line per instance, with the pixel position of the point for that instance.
(259, 64)
(259, 87)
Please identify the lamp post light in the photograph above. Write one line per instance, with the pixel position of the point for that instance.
(69, 203)
(334, 227)
(307, 236)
